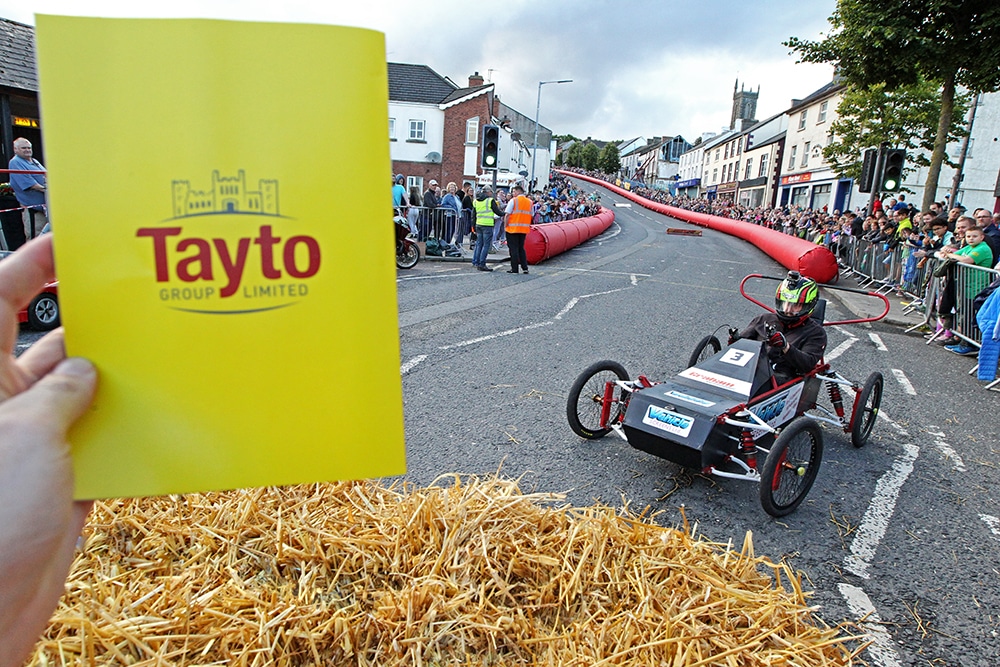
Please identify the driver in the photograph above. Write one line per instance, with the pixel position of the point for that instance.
(795, 340)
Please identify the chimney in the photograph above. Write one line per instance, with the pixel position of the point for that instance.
(476, 79)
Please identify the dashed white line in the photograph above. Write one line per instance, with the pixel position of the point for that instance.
(876, 518)
(411, 364)
(948, 451)
(501, 334)
(904, 382)
(881, 648)
(569, 306)
(840, 349)
(879, 345)
(634, 279)
(993, 523)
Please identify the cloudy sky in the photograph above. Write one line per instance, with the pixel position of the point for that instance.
(646, 67)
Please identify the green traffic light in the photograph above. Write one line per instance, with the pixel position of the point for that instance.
(890, 184)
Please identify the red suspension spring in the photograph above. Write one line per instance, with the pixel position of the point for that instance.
(838, 401)
(749, 448)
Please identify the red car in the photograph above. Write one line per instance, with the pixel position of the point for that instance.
(43, 311)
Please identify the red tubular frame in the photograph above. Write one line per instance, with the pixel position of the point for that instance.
(824, 286)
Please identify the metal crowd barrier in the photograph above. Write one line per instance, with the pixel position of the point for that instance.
(440, 223)
(949, 299)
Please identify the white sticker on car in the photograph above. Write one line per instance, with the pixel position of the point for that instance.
(741, 387)
(687, 398)
(737, 357)
(668, 421)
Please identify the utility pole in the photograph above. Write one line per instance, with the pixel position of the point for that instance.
(959, 175)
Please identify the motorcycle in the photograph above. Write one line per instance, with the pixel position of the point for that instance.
(407, 251)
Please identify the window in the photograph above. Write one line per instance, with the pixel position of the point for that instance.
(472, 130)
(392, 128)
(822, 112)
(791, 157)
(725, 152)
(717, 151)
(805, 155)
(746, 174)
(715, 175)
(800, 196)
(415, 182)
(802, 119)
(763, 166)
(820, 197)
(417, 130)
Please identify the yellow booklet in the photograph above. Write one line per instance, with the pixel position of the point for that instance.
(223, 239)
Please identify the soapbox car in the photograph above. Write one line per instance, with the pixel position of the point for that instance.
(726, 414)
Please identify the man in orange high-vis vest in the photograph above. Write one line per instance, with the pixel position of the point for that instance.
(517, 220)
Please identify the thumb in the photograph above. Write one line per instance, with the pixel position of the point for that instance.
(60, 397)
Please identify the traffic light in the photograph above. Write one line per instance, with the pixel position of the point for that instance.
(892, 174)
(491, 146)
(868, 170)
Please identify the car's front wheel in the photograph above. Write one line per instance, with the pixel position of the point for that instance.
(43, 312)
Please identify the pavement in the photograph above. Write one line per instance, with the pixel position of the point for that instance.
(492, 256)
(862, 305)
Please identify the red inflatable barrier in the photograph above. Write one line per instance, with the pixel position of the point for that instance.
(551, 238)
(807, 258)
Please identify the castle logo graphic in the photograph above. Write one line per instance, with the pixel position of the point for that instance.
(228, 195)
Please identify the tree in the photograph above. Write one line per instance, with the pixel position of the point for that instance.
(951, 43)
(902, 118)
(609, 161)
(574, 157)
(559, 158)
(591, 157)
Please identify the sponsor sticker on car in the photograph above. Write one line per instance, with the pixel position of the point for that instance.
(687, 398)
(668, 421)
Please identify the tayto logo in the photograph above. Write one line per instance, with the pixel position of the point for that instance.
(668, 421)
(211, 268)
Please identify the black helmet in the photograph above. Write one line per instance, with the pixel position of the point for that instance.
(795, 299)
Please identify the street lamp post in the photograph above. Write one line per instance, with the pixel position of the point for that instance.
(534, 143)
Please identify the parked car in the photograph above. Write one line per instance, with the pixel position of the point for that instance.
(43, 311)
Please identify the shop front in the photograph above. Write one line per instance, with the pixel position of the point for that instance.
(819, 194)
(727, 191)
(752, 191)
(689, 188)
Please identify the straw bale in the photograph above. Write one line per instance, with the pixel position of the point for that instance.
(465, 572)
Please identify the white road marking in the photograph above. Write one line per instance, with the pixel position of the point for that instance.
(569, 306)
(948, 451)
(22, 346)
(440, 275)
(575, 300)
(881, 649)
(993, 523)
(620, 205)
(846, 332)
(876, 518)
(634, 279)
(904, 382)
(501, 334)
(411, 364)
(610, 273)
(879, 345)
(840, 349)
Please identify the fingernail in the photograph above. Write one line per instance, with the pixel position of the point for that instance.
(75, 366)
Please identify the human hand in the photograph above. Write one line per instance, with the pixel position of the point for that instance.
(41, 394)
(777, 340)
(734, 335)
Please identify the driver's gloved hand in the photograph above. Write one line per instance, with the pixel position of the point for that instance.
(734, 335)
(777, 339)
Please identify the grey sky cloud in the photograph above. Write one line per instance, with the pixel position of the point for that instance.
(644, 67)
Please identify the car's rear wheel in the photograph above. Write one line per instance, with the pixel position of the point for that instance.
(43, 312)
